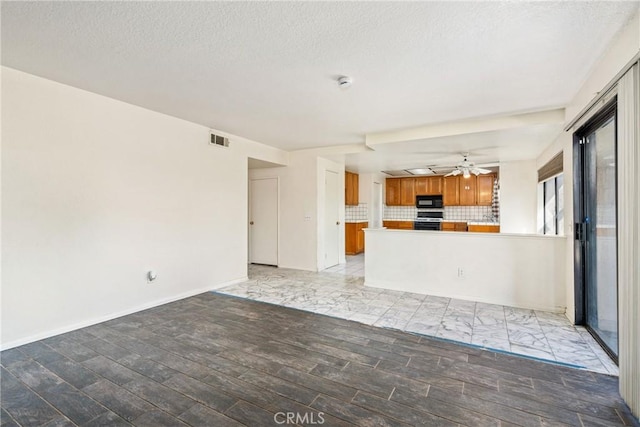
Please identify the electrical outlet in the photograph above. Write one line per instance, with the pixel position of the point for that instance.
(460, 272)
(151, 276)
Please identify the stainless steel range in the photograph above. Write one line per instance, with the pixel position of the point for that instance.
(428, 220)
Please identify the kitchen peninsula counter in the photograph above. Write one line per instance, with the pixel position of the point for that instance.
(520, 270)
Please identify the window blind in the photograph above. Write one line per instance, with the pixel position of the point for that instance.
(553, 167)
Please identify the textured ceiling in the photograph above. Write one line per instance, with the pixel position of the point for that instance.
(266, 70)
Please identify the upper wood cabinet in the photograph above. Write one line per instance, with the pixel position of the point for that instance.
(428, 185)
(407, 192)
(484, 189)
(455, 190)
(351, 193)
(392, 191)
(472, 191)
(467, 188)
(451, 191)
(403, 191)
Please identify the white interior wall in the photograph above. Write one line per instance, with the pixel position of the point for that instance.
(619, 53)
(97, 192)
(564, 143)
(518, 197)
(367, 188)
(298, 210)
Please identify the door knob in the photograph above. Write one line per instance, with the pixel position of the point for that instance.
(251, 223)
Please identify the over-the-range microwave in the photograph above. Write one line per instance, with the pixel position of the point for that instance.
(429, 201)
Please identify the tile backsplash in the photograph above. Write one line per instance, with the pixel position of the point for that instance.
(469, 213)
(356, 213)
(400, 212)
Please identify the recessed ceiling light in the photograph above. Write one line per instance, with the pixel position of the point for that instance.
(420, 171)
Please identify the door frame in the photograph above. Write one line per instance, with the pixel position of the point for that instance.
(250, 205)
(579, 182)
(340, 237)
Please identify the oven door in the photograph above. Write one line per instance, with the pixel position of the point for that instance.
(427, 225)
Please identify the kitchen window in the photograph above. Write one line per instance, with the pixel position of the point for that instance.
(553, 205)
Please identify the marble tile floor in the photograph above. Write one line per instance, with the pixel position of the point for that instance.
(353, 267)
(537, 334)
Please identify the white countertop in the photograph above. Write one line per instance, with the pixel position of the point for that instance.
(468, 233)
(450, 220)
(355, 221)
(483, 223)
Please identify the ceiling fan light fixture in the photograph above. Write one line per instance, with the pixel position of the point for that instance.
(465, 173)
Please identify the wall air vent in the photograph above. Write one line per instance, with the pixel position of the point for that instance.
(218, 140)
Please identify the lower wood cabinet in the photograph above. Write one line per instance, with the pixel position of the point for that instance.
(398, 225)
(453, 226)
(354, 237)
(484, 228)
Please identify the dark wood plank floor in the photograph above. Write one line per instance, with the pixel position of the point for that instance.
(214, 360)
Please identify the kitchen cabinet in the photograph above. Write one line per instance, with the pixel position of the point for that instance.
(354, 237)
(484, 228)
(453, 226)
(351, 192)
(398, 225)
(484, 189)
(392, 191)
(450, 191)
(467, 189)
(407, 192)
(428, 185)
(472, 191)
(403, 191)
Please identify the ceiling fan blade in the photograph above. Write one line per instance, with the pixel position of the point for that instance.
(454, 172)
(478, 171)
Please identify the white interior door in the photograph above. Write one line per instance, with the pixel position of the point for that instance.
(263, 221)
(332, 219)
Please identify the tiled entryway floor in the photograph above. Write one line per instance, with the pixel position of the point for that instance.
(353, 267)
(216, 360)
(537, 334)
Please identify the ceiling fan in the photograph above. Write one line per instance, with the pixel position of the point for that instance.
(466, 168)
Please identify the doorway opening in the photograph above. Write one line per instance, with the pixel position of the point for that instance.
(595, 207)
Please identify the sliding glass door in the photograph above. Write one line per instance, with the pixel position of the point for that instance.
(596, 233)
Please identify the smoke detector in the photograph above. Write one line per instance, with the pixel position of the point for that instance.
(345, 82)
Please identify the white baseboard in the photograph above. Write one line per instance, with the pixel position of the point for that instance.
(111, 316)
